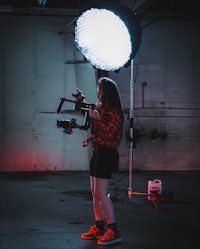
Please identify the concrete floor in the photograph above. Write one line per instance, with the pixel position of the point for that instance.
(51, 210)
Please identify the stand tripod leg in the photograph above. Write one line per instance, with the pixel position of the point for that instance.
(154, 204)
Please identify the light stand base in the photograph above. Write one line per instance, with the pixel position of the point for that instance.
(166, 196)
(153, 197)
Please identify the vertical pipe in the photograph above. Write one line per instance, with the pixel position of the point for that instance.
(144, 84)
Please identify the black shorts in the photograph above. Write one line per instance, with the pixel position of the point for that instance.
(104, 162)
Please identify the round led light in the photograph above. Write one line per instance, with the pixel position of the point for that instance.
(103, 38)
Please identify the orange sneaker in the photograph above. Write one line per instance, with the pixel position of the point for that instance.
(110, 237)
(93, 234)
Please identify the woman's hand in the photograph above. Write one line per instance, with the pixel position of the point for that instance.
(98, 105)
(94, 114)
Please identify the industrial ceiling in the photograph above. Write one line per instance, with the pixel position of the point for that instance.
(145, 8)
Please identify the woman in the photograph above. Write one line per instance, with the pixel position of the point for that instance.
(106, 134)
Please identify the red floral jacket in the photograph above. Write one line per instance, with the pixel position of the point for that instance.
(107, 129)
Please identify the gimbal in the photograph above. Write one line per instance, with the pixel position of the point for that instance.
(80, 105)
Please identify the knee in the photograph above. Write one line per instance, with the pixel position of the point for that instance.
(98, 195)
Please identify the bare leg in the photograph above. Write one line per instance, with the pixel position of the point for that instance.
(98, 210)
(101, 202)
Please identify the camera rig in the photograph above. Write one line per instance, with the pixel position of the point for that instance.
(79, 105)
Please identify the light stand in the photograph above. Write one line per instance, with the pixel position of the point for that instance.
(131, 115)
(131, 148)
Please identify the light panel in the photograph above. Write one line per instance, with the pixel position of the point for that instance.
(104, 39)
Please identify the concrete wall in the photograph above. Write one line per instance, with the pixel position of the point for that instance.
(34, 76)
(166, 97)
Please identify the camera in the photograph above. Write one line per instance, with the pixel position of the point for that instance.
(67, 125)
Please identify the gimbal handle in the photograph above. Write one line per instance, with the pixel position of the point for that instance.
(79, 105)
